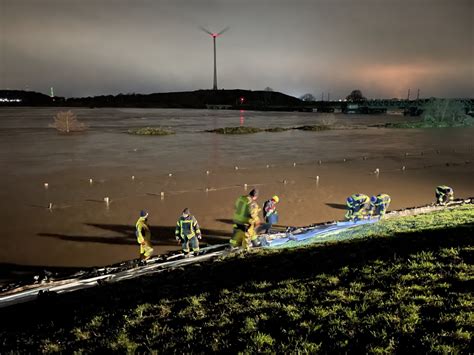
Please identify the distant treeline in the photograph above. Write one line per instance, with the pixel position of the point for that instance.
(187, 99)
(219, 99)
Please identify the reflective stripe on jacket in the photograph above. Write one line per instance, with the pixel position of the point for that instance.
(187, 227)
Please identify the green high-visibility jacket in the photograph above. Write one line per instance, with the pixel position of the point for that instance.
(246, 211)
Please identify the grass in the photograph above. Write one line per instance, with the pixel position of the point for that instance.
(399, 286)
(150, 131)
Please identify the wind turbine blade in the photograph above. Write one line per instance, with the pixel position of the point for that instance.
(224, 30)
(205, 30)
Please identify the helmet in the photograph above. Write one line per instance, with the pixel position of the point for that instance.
(276, 198)
(350, 200)
(143, 214)
(253, 193)
(373, 199)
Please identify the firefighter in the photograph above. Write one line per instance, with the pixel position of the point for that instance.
(188, 233)
(357, 207)
(444, 194)
(379, 205)
(144, 236)
(245, 221)
(270, 214)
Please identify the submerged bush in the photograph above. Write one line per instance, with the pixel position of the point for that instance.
(236, 130)
(248, 130)
(277, 129)
(150, 131)
(66, 122)
(446, 113)
(440, 113)
(314, 128)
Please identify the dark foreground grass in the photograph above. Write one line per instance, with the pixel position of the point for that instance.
(408, 290)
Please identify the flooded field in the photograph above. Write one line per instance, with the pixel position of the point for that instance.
(81, 230)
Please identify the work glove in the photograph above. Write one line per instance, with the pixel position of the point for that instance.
(178, 239)
(199, 236)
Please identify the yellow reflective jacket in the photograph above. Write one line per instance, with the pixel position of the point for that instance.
(142, 230)
(246, 211)
(382, 199)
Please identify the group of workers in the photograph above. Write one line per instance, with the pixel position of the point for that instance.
(247, 223)
(360, 206)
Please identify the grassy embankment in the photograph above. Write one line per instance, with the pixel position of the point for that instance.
(403, 285)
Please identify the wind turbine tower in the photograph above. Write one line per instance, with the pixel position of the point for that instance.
(214, 36)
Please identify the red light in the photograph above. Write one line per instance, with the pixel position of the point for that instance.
(242, 100)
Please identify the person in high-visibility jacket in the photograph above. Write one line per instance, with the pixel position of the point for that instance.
(245, 221)
(270, 214)
(144, 236)
(358, 206)
(379, 205)
(188, 232)
(444, 194)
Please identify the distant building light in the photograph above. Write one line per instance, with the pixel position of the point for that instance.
(9, 100)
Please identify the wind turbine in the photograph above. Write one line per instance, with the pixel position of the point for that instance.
(214, 36)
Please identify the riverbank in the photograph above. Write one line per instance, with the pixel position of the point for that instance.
(203, 171)
(402, 286)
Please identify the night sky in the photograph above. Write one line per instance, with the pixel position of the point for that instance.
(383, 47)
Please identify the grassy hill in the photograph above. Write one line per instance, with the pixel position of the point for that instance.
(260, 100)
(403, 285)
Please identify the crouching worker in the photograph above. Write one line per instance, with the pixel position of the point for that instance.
(270, 213)
(144, 236)
(379, 205)
(358, 206)
(444, 194)
(245, 221)
(188, 233)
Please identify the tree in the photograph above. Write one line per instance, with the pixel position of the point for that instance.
(66, 122)
(308, 97)
(268, 88)
(356, 96)
(446, 113)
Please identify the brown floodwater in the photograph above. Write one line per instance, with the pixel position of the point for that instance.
(81, 230)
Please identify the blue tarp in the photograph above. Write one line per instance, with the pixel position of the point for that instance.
(318, 231)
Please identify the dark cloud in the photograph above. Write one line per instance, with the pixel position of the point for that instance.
(383, 47)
